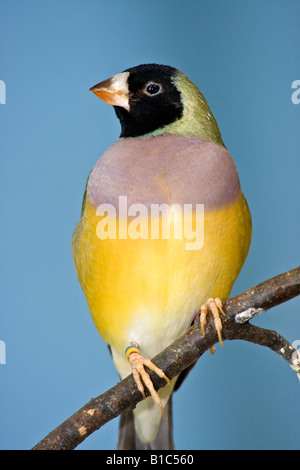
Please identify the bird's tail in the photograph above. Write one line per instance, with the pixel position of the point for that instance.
(128, 439)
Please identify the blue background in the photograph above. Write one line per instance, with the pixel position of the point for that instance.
(244, 56)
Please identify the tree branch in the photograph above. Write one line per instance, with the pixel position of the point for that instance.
(182, 354)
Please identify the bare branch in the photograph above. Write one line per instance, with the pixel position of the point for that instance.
(182, 354)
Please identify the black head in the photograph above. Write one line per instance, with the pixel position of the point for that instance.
(154, 100)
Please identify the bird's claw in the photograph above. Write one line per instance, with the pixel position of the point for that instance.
(215, 307)
(138, 363)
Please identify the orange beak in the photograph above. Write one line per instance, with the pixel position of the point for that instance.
(114, 91)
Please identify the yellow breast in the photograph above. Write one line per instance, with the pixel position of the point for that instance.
(154, 287)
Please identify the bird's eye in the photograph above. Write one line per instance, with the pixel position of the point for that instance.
(152, 89)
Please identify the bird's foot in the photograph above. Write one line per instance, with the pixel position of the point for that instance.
(215, 307)
(138, 363)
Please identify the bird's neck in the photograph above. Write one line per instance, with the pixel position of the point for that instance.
(197, 119)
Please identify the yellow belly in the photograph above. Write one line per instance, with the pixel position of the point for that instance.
(152, 288)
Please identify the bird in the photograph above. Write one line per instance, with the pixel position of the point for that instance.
(163, 234)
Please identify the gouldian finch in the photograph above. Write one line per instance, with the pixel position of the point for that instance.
(164, 232)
